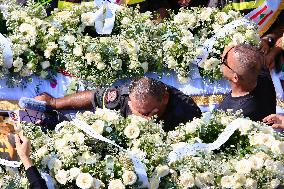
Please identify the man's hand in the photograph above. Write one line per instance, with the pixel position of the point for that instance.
(184, 3)
(23, 147)
(47, 98)
(276, 120)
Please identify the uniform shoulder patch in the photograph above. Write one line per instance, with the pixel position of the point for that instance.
(111, 95)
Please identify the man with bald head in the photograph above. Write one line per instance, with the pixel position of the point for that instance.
(252, 88)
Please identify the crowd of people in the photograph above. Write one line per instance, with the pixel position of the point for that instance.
(245, 67)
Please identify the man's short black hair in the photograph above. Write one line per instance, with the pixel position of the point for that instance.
(142, 87)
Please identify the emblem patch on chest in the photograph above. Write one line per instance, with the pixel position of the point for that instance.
(111, 96)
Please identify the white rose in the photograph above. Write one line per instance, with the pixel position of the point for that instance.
(239, 180)
(256, 162)
(132, 131)
(78, 50)
(206, 13)
(27, 29)
(162, 170)
(168, 45)
(277, 147)
(79, 138)
(41, 151)
(129, 177)
(251, 184)
(73, 173)
(84, 181)
(186, 180)
(204, 179)
(60, 143)
(227, 182)
(211, 63)
(45, 64)
(116, 184)
(275, 183)
(88, 18)
(99, 125)
(243, 166)
(125, 21)
(245, 126)
(62, 177)
(70, 39)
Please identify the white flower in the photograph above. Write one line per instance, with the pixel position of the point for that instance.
(132, 131)
(252, 36)
(251, 184)
(211, 63)
(78, 50)
(245, 126)
(275, 183)
(256, 162)
(191, 127)
(116, 184)
(54, 163)
(62, 177)
(162, 170)
(277, 147)
(60, 143)
(187, 19)
(238, 38)
(186, 180)
(41, 151)
(79, 138)
(168, 45)
(73, 173)
(239, 180)
(204, 179)
(206, 13)
(84, 181)
(101, 65)
(182, 79)
(88, 18)
(129, 177)
(125, 21)
(45, 64)
(99, 125)
(18, 63)
(222, 17)
(27, 29)
(70, 39)
(243, 166)
(172, 63)
(227, 182)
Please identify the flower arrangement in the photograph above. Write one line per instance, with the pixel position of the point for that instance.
(252, 157)
(67, 40)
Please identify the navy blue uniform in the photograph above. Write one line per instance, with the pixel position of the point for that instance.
(180, 109)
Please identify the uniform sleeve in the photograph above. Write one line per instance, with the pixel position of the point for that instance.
(34, 178)
(107, 98)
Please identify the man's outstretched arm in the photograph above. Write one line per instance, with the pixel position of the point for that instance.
(80, 100)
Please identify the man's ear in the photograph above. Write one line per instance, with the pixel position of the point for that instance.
(166, 97)
(235, 78)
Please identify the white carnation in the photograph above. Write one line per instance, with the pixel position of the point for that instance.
(129, 177)
(116, 184)
(70, 39)
(125, 21)
(62, 176)
(172, 63)
(238, 38)
(132, 131)
(18, 63)
(211, 63)
(277, 147)
(78, 50)
(41, 152)
(27, 29)
(84, 181)
(88, 18)
(227, 182)
(256, 162)
(245, 126)
(204, 179)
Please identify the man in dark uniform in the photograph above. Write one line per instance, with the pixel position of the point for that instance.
(144, 97)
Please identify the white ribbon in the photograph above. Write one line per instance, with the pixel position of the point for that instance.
(138, 165)
(191, 149)
(5, 44)
(105, 16)
(209, 43)
(10, 163)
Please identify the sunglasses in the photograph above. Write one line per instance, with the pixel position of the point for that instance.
(224, 62)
